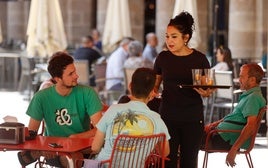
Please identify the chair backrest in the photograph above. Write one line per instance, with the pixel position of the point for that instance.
(247, 151)
(100, 75)
(82, 69)
(27, 65)
(258, 123)
(224, 78)
(137, 151)
(128, 75)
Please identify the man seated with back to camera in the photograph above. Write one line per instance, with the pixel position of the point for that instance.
(107, 128)
(243, 117)
(67, 109)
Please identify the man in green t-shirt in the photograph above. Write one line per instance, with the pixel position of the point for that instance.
(66, 108)
(244, 115)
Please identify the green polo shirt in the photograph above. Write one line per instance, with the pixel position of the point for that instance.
(250, 102)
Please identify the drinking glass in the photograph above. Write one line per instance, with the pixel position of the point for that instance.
(209, 75)
(196, 74)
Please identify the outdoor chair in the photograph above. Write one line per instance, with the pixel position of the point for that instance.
(130, 151)
(247, 151)
(28, 82)
(128, 72)
(222, 99)
(107, 96)
(82, 70)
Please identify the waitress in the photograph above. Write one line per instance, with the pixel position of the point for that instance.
(181, 109)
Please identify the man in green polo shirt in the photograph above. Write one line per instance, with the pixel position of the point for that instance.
(244, 115)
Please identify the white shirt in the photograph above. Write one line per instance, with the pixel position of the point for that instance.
(149, 53)
(137, 62)
(115, 67)
(221, 66)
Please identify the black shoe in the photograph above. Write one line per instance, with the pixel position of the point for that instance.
(25, 158)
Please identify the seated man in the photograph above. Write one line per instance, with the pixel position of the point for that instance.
(87, 52)
(115, 66)
(107, 128)
(68, 109)
(244, 115)
(150, 52)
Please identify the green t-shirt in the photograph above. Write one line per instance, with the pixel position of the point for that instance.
(250, 102)
(65, 115)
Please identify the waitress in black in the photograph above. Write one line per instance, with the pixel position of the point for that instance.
(181, 108)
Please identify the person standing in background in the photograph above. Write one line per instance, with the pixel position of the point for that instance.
(149, 51)
(181, 108)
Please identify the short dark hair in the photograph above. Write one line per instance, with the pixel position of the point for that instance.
(58, 62)
(87, 39)
(142, 82)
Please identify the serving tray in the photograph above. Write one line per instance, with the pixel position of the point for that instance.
(205, 86)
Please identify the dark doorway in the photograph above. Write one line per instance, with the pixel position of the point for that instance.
(149, 17)
(218, 31)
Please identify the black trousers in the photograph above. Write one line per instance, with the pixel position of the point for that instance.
(185, 137)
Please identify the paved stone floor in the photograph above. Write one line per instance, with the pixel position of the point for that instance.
(12, 103)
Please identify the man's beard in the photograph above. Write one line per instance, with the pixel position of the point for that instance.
(71, 86)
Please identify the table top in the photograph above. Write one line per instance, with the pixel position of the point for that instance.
(69, 145)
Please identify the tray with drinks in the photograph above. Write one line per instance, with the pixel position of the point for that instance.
(205, 86)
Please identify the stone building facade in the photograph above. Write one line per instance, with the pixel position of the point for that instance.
(246, 34)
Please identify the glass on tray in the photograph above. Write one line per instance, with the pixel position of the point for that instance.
(209, 76)
(196, 74)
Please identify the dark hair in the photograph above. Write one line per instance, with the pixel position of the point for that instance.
(227, 56)
(142, 82)
(87, 39)
(184, 22)
(58, 63)
(254, 70)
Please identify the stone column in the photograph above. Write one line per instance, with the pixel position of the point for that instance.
(101, 14)
(164, 12)
(246, 28)
(3, 18)
(78, 17)
(17, 16)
